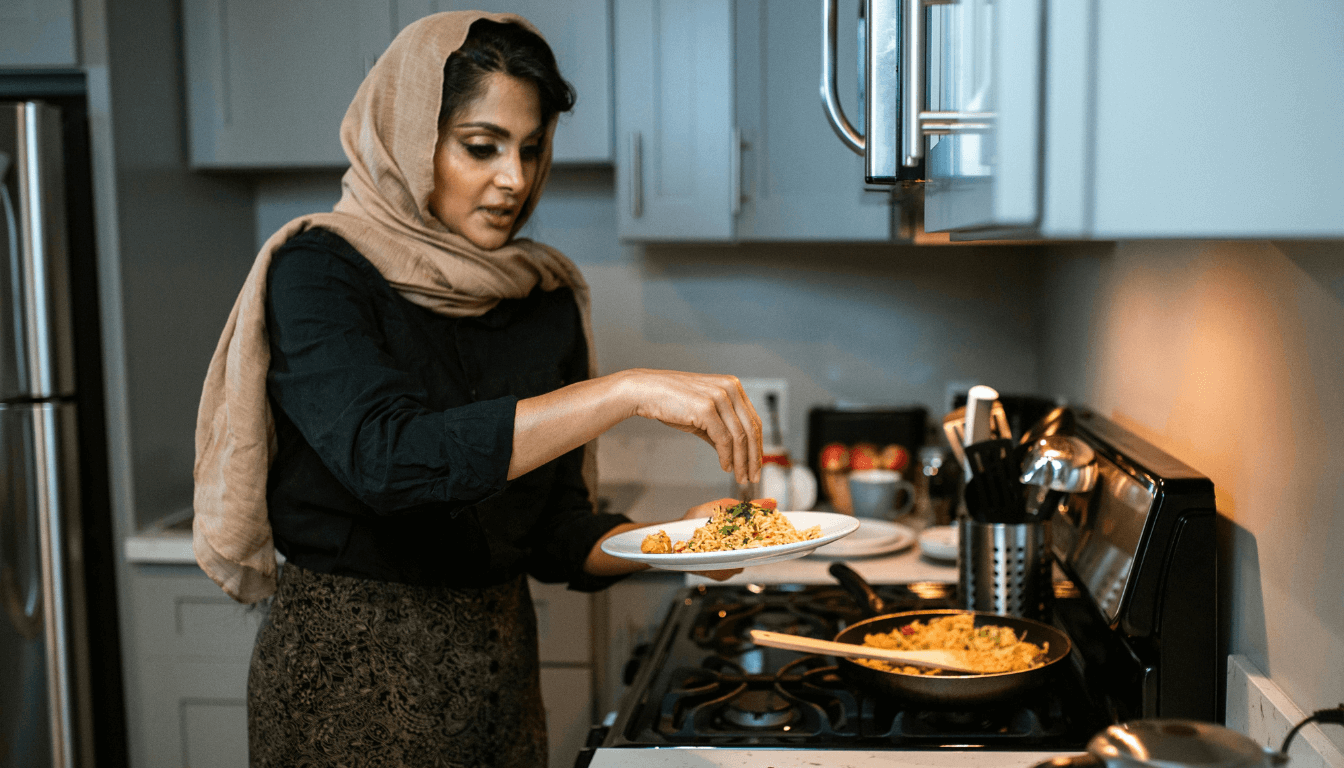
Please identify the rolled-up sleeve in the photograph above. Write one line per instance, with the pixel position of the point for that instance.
(369, 420)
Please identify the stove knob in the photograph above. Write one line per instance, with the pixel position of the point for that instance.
(632, 665)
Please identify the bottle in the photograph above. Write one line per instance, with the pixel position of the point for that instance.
(936, 484)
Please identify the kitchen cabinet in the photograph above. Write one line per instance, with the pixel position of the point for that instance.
(1137, 120)
(719, 134)
(37, 33)
(268, 83)
(193, 645)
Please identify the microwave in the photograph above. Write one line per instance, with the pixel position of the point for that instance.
(949, 105)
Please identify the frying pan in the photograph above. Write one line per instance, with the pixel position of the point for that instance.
(941, 691)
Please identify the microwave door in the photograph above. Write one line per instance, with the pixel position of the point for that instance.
(878, 137)
(982, 120)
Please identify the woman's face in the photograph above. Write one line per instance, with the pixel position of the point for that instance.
(486, 161)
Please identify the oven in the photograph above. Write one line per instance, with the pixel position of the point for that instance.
(1137, 599)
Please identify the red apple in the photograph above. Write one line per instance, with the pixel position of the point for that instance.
(863, 456)
(894, 457)
(834, 456)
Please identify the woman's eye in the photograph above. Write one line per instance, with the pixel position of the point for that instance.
(481, 151)
(532, 151)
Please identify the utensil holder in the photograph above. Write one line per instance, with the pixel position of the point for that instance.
(1004, 568)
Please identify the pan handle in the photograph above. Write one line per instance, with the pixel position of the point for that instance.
(861, 590)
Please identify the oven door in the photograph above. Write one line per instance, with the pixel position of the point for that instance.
(982, 121)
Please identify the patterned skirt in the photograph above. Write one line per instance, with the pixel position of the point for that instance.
(351, 672)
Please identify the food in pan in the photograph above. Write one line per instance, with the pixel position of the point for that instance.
(989, 648)
(746, 525)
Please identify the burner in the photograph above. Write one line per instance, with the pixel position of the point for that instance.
(760, 710)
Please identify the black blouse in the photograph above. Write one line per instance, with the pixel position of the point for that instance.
(395, 429)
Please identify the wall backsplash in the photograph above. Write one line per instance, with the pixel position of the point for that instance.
(1229, 356)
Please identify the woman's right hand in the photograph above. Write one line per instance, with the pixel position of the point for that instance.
(710, 406)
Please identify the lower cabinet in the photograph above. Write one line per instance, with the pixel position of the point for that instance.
(192, 646)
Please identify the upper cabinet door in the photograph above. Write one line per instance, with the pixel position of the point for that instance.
(268, 83)
(37, 33)
(678, 162)
(984, 59)
(1208, 119)
(798, 179)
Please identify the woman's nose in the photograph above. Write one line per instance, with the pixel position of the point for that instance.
(510, 173)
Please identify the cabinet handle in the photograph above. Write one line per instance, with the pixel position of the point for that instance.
(834, 113)
(636, 175)
(735, 158)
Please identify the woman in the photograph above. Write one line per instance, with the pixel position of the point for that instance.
(399, 404)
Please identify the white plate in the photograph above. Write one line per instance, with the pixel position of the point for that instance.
(626, 545)
(939, 542)
(874, 537)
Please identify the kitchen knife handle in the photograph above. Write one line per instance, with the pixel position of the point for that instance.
(636, 175)
(835, 114)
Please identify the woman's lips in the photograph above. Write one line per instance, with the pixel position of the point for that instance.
(497, 217)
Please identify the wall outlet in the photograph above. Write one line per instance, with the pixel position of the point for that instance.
(757, 390)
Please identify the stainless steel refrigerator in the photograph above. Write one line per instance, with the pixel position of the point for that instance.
(51, 550)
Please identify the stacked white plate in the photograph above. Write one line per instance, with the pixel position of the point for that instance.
(939, 542)
(874, 537)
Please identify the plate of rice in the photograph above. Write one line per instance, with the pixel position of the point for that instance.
(739, 536)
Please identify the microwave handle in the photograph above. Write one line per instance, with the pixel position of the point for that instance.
(834, 113)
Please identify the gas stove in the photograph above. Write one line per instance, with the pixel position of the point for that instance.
(1137, 604)
(707, 683)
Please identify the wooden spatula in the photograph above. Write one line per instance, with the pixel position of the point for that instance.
(952, 661)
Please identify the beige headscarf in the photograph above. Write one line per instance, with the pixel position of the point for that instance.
(389, 134)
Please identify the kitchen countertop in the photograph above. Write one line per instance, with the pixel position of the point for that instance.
(169, 541)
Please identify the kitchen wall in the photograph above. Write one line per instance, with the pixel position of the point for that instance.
(182, 243)
(871, 324)
(1230, 356)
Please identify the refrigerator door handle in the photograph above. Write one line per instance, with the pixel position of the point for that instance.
(36, 351)
(50, 495)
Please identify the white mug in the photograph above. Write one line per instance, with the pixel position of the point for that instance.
(873, 493)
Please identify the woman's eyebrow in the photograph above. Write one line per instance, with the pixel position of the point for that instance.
(499, 130)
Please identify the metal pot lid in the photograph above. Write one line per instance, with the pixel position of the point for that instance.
(1179, 744)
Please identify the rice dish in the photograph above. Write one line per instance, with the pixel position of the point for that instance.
(747, 525)
(989, 649)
